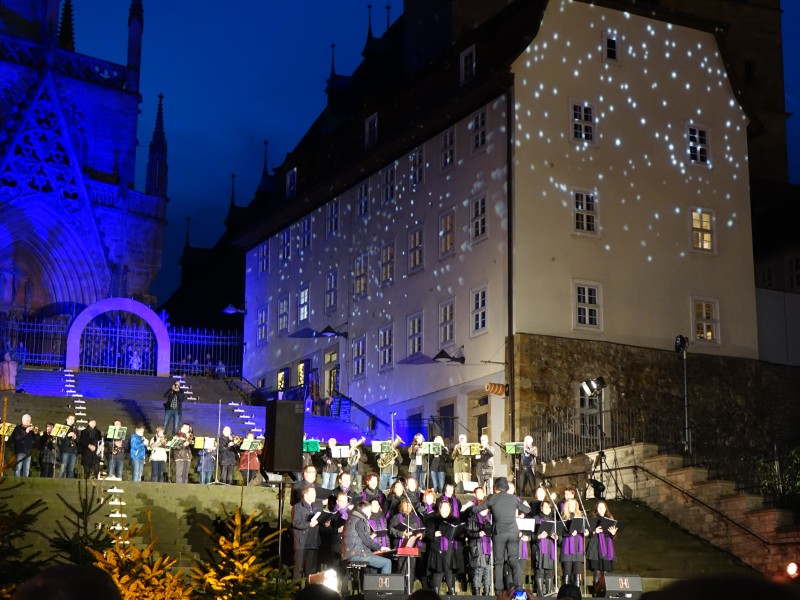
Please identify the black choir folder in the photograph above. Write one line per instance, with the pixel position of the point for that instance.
(607, 523)
(578, 525)
(451, 530)
(549, 527)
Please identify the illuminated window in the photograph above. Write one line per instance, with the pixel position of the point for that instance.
(332, 381)
(302, 304)
(468, 65)
(588, 413)
(331, 290)
(447, 149)
(478, 312)
(291, 183)
(263, 258)
(478, 219)
(387, 184)
(702, 229)
(331, 357)
(285, 252)
(447, 322)
(362, 199)
(371, 130)
(584, 206)
(610, 47)
(705, 318)
(588, 305)
(359, 357)
(477, 130)
(284, 378)
(387, 263)
(332, 218)
(360, 276)
(283, 314)
(302, 369)
(414, 330)
(447, 233)
(698, 148)
(416, 250)
(582, 122)
(416, 167)
(261, 326)
(793, 272)
(304, 240)
(385, 347)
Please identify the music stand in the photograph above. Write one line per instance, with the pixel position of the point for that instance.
(311, 446)
(515, 451)
(60, 431)
(430, 449)
(116, 432)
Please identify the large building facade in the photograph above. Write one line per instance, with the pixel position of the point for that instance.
(562, 169)
(73, 230)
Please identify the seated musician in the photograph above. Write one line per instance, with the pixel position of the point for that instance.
(357, 542)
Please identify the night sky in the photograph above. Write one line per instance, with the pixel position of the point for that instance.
(234, 74)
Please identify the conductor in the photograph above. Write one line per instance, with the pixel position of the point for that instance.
(505, 539)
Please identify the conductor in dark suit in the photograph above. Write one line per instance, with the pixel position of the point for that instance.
(505, 539)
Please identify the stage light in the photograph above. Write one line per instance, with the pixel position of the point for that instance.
(598, 487)
(232, 310)
(443, 356)
(593, 386)
(331, 580)
(791, 570)
(681, 343)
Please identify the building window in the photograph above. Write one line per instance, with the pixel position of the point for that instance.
(468, 65)
(331, 290)
(478, 220)
(414, 331)
(698, 148)
(302, 304)
(793, 272)
(285, 252)
(584, 206)
(447, 233)
(359, 357)
(447, 149)
(588, 305)
(331, 373)
(447, 322)
(706, 320)
(283, 314)
(360, 276)
(702, 230)
(385, 347)
(387, 263)
(588, 413)
(610, 47)
(303, 367)
(765, 277)
(263, 258)
(332, 218)
(477, 129)
(478, 314)
(362, 199)
(371, 130)
(291, 183)
(583, 122)
(416, 250)
(304, 240)
(261, 326)
(284, 378)
(416, 167)
(387, 184)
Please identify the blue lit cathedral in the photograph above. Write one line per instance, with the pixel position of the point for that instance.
(73, 230)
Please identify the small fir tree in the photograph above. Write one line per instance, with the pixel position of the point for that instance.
(239, 566)
(74, 544)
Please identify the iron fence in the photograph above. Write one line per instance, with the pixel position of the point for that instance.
(205, 353)
(35, 343)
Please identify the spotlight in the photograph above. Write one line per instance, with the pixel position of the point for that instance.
(681, 343)
(791, 570)
(443, 356)
(598, 487)
(331, 580)
(593, 386)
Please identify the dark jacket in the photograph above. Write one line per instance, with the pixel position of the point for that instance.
(305, 536)
(23, 440)
(168, 398)
(89, 436)
(356, 540)
(504, 509)
(68, 445)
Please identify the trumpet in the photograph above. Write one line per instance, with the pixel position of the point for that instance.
(387, 458)
(355, 453)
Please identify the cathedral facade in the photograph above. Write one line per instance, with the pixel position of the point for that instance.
(73, 230)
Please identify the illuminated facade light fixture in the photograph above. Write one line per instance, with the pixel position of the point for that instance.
(593, 387)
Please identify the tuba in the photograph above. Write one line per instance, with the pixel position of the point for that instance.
(355, 453)
(387, 458)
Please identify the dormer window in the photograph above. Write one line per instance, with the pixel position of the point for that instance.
(291, 183)
(468, 65)
(371, 130)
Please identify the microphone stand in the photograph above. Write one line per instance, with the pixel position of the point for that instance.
(558, 519)
(219, 425)
(586, 524)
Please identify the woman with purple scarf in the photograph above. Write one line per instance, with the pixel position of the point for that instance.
(378, 525)
(544, 549)
(600, 549)
(406, 529)
(479, 538)
(441, 561)
(572, 545)
(449, 496)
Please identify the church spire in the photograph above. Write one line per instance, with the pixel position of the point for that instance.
(156, 182)
(135, 30)
(265, 184)
(333, 61)
(66, 30)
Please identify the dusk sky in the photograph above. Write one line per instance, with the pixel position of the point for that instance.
(236, 73)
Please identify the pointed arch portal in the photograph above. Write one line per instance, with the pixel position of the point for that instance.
(125, 305)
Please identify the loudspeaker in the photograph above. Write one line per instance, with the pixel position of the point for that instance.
(384, 583)
(383, 596)
(623, 585)
(283, 438)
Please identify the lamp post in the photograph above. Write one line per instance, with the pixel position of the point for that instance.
(681, 344)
